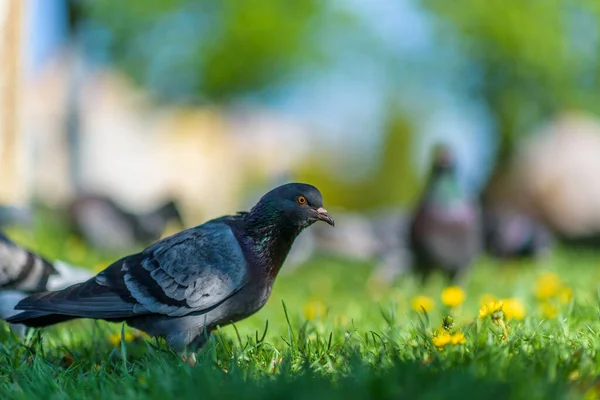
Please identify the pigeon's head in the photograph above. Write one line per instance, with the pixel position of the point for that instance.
(299, 203)
(443, 159)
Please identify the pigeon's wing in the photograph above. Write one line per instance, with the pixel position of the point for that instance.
(21, 269)
(193, 271)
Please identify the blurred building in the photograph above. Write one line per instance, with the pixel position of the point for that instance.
(10, 79)
(82, 128)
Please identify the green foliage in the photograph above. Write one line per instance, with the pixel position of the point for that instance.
(526, 60)
(202, 50)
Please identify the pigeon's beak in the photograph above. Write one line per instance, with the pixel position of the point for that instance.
(323, 216)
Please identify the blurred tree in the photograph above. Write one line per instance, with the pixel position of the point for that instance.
(527, 60)
(205, 50)
(393, 181)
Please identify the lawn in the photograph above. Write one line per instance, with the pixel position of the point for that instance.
(334, 334)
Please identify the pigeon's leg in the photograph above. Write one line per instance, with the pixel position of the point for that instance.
(199, 341)
(196, 344)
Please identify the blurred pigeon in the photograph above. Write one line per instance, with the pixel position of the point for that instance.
(185, 285)
(106, 226)
(23, 272)
(391, 228)
(446, 227)
(513, 234)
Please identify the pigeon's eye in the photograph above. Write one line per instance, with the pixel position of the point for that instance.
(301, 200)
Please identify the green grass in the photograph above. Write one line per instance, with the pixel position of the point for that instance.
(362, 341)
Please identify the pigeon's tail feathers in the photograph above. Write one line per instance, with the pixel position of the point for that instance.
(83, 300)
(37, 319)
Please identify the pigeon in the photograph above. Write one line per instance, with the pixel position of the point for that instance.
(445, 231)
(185, 285)
(23, 272)
(510, 234)
(106, 226)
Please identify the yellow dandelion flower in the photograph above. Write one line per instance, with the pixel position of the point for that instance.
(490, 308)
(440, 339)
(420, 303)
(513, 309)
(549, 310)
(565, 294)
(314, 309)
(453, 296)
(547, 285)
(115, 339)
(443, 338)
(458, 338)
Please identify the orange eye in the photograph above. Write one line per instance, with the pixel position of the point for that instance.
(301, 200)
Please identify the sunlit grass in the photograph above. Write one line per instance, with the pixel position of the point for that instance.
(519, 330)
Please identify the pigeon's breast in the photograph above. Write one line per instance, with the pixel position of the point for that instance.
(454, 215)
(246, 302)
(450, 233)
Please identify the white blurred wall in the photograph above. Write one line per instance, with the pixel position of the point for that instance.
(140, 153)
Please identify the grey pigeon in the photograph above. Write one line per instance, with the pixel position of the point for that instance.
(185, 285)
(446, 227)
(21, 269)
(513, 234)
(23, 272)
(107, 226)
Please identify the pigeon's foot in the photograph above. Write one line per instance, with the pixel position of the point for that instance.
(191, 359)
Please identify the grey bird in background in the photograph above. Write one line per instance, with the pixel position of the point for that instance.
(23, 272)
(102, 223)
(445, 232)
(394, 256)
(185, 285)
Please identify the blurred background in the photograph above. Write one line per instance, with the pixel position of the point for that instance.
(119, 118)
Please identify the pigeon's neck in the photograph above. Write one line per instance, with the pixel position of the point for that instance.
(444, 186)
(270, 238)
